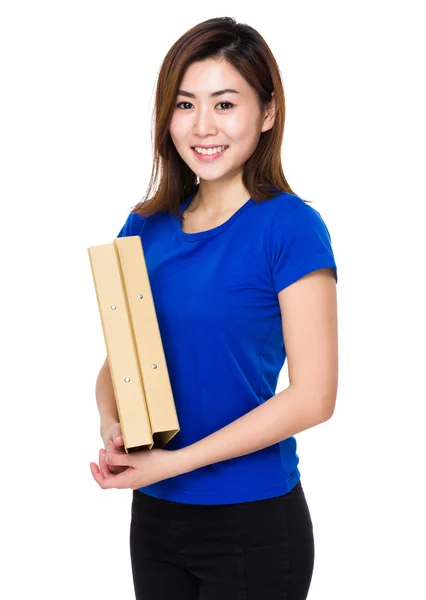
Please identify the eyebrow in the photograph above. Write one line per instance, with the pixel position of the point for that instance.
(213, 95)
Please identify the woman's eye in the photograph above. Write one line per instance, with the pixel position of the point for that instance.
(179, 103)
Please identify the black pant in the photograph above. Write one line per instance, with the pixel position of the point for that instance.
(261, 550)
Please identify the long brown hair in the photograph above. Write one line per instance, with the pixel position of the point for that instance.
(246, 50)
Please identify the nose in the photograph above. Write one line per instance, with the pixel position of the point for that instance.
(204, 123)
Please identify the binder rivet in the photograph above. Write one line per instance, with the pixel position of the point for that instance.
(127, 379)
(140, 296)
(154, 366)
(113, 307)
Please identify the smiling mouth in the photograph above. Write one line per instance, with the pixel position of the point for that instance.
(207, 155)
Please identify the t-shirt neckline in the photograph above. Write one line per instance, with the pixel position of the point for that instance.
(201, 235)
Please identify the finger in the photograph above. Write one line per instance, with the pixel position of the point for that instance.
(123, 459)
(116, 449)
(97, 474)
(122, 480)
(119, 441)
(103, 466)
(111, 448)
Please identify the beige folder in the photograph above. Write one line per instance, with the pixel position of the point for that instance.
(136, 358)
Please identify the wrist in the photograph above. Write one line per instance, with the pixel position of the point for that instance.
(184, 460)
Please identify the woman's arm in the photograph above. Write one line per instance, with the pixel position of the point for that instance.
(309, 320)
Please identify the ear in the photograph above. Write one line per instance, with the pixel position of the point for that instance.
(270, 113)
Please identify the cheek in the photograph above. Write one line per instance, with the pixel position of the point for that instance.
(241, 127)
(177, 127)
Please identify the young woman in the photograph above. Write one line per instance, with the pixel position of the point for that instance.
(243, 276)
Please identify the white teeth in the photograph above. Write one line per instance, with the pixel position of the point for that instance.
(209, 150)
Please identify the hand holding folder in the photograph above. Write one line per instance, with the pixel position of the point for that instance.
(114, 444)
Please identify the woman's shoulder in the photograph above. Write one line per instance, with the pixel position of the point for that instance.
(283, 205)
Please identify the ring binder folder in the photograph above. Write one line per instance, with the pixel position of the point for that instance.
(138, 367)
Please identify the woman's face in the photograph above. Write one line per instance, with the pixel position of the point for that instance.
(229, 119)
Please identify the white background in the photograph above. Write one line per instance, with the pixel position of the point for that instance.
(78, 83)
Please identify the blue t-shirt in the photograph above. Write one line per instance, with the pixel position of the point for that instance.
(215, 295)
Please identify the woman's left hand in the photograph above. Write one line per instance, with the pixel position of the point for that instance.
(145, 467)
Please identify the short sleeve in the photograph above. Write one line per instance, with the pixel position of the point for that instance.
(132, 226)
(301, 244)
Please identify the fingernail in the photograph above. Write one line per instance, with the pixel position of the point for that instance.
(105, 457)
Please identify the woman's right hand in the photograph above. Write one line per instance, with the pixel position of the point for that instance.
(114, 444)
